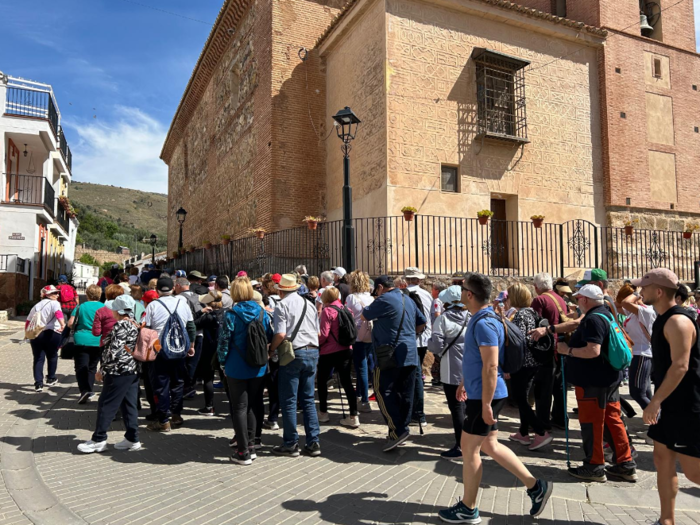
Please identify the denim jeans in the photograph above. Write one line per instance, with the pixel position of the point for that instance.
(395, 394)
(45, 348)
(363, 358)
(418, 393)
(298, 376)
(167, 380)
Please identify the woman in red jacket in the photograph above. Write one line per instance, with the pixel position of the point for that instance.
(104, 320)
(333, 355)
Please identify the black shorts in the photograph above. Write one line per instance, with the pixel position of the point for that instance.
(474, 424)
(680, 433)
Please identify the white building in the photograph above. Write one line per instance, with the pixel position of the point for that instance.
(140, 261)
(85, 275)
(37, 232)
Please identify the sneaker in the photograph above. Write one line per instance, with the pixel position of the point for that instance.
(128, 445)
(258, 444)
(313, 450)
(539, 494)
(84, 398)
(588, 474)
(176, 420)
(330, 384)
(206, 411)
(519, 438)
(391, 444)
(251, 453)
(436, 382)
(364, 408)
(281, 450)
(622, 472)
(51, 382)
(453, 453)
(350, 422)
(460, 513)
(373, 397)
(271, 425)
(241, 458)
(541, 441)
(633, 452)
(233, 443)
(157, 426)
(38, 389)
(91, 446)
(323, 417)
(189, 394)
(218, 385)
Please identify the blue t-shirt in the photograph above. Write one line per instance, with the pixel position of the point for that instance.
(386, 313)
(482, 331)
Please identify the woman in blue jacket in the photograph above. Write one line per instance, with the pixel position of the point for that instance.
(245, 382)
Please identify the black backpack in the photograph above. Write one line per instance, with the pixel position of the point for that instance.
(347, 329)
(416, 299)
(256, 342)
(515, 341)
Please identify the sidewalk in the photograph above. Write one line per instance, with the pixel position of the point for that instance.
(186, 477)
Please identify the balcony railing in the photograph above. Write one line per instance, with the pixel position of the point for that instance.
(33, 104)
(65, 150)
(63, 220)
(30, 189)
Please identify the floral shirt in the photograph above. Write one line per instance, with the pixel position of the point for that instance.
(526, 320)
(116, 360)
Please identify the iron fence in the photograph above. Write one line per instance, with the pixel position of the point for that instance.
(31, 103)
(443, 245)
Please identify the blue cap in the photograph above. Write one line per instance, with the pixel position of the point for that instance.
(124, 304)
(211, 278)
(62, 279)
(452, 294)
(180, 273)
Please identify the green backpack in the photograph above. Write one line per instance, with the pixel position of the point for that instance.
(619, 355)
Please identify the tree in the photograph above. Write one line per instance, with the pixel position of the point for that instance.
(86, 258)
(107, 265)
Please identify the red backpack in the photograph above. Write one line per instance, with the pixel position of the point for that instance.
(67, 293)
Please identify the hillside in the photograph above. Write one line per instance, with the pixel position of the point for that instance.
(111, 216)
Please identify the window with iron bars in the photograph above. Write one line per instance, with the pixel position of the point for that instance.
(500, 94)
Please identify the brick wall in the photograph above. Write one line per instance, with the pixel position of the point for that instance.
(102, 256)
(14, 289)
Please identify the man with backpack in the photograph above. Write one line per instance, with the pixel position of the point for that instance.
(595, 358)
(171, 317)
(424, 302)
(486, 350)
(182, 289)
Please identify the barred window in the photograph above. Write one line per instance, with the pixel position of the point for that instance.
(500, 93)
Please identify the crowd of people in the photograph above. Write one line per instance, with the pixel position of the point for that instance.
(289, 335)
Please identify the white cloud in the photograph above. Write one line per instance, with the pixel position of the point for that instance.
(124, 152)
(696, 4)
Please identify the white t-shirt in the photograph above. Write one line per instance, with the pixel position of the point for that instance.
(357, 302)
(133, 279)
(157, 315)
(427, 300)
(645, 316)
(48, 309)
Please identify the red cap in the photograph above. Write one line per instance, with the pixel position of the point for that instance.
(150, 295)
(276, 278)
(242, 274)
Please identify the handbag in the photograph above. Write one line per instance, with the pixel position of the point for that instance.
(385, 353)
(285, 351)
(68, 348)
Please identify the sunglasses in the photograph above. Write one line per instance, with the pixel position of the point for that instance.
(464, 288)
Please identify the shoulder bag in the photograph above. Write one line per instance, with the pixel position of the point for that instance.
(385, 353)
(563, 318)
(68, 348)
(451, 344)
(285, 351)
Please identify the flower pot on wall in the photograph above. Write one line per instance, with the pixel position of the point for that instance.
(629, 230)
(409, 215)
(483, 220)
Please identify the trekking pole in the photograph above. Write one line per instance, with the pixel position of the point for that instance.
(566, 411)
(340, 393)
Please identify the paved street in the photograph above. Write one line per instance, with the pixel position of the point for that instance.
(185, 476)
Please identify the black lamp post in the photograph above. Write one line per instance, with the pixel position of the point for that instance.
(181, 214)
(154, 241)
(346, 123)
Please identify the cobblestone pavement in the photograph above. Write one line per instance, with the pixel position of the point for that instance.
(186, 477)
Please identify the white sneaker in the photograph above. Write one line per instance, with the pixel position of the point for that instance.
(351, 422)
(364, 408)
(90, 446)
(323, 417)
(128, 445)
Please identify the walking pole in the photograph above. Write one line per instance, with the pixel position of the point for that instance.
(566, 412)
(340, 393)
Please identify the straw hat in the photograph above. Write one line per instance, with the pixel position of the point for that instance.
(288, 283)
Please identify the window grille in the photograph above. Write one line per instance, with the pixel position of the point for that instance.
(500, 93)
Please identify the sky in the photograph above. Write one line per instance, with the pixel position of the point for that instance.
(118, 69)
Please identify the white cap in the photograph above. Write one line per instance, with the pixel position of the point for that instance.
(340, 271)
(591, 291)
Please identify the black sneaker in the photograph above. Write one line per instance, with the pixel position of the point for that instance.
(313, 450)
(38, 388)
(206, 411)
(622, 472)
(258, 443)
(251, 453)
(391, 444)
(539, 494)
(291, 452)
(241, 458)
(453, 453)
(51, 382)
(588, 474)
(84, 398)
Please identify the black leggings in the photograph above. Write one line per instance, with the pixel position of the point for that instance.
(246, 395)
(520, 383)
(640, 380)
(457, 409)
(342, 362)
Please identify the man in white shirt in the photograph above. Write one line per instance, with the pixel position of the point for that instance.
(413, 278)
(326, 281)
(167, 376)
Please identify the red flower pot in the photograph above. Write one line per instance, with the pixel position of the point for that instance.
(629, 230)
(226, 242)
(312, 225)
(537, 223)
(687, 235)
(260, 235)
(409, 215)
(207, 246)
(483, 220)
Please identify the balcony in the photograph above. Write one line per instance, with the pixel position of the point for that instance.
(65, 150)
(31, 103)
(30, 190)
(63, 220)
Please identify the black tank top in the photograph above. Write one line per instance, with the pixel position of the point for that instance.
(686, 397)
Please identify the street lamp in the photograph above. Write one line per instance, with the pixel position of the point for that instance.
(181, 214)
(154, 240)
(346, 123)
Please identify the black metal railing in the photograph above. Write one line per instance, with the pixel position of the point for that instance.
(24, 189)
(65, 150)
(63, 220)
(31, 103)
(443, 245)
(49, 197)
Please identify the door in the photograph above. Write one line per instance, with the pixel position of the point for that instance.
(499, 234)
(12, 193)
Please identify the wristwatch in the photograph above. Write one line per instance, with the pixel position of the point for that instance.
(571, 352)
(551, 329)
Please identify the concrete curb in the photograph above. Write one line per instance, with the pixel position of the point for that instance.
(22, 479)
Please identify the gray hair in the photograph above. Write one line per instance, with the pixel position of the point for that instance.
(301, 270)
(328, 277)
(439, 286)
(181, 281)
(543, 281)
